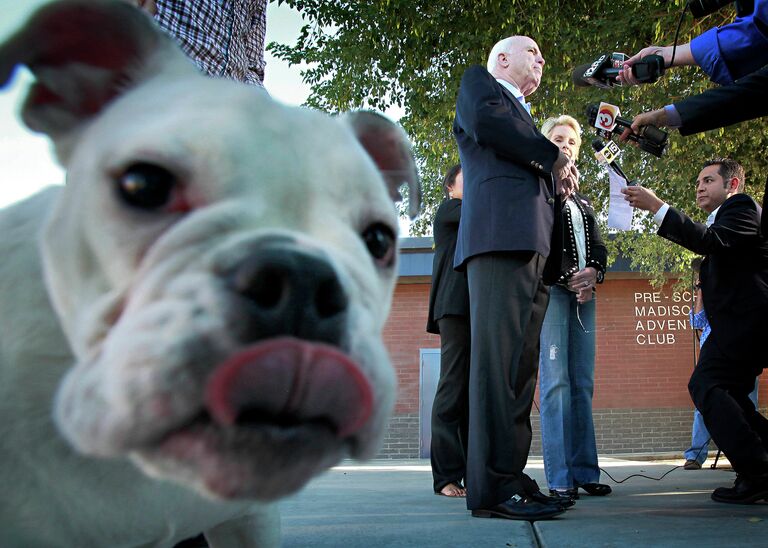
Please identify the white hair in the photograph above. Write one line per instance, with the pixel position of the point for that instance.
(502, 46)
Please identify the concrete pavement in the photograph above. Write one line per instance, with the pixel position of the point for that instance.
(390, 504)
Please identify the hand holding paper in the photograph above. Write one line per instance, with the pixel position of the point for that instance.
(642, 198)
(619, 210)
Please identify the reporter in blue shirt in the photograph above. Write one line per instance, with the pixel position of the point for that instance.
(724, 53)
(734, 55)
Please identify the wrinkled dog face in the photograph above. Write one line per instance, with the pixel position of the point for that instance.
(222, 266)
(228, 235)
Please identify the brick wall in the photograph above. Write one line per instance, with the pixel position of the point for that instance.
(404, 335)
(401, 440)
(645, 353)
(640, 430)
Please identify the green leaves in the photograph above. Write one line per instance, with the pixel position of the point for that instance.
(412, 53)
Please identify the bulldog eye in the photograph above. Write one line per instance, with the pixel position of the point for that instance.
(146, 186)
(380, 240)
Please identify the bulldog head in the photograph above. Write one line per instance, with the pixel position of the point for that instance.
(222, 265)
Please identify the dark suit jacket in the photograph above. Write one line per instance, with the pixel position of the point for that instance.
(725, 105)
(508, 202)
(734, 273)
(449, 294)
(764, 220)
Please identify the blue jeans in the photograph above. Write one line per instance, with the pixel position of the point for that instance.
(566, 383)
(700, 435)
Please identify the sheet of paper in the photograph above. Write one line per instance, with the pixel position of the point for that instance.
(619, 210)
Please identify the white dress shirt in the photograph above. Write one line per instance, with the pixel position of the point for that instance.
(517, 93)
(658, 217)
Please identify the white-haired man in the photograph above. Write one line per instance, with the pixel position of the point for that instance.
(512, 175)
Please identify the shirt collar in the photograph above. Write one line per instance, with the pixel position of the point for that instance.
(711, 217)
(516, 92)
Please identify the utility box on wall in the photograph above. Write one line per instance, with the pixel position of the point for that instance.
(429, 359)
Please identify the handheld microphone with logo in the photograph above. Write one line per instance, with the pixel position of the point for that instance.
(605, 117)
(606, 153)
(602, 73)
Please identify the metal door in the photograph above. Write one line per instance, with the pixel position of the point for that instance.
(429, 373)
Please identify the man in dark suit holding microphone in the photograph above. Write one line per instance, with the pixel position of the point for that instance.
(734, 284)
(512, 176)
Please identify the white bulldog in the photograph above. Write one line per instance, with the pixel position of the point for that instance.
(191, 327)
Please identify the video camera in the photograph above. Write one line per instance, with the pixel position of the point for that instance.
(605, 118)
(603, 71)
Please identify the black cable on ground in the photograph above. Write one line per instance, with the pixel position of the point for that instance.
(535, 403)
(696, 344)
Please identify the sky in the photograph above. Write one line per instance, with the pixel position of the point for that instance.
(26, 160)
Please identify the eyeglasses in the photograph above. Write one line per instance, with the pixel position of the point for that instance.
(578, 317)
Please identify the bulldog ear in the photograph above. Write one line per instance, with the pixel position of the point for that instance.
(83, 54)
(389, 147)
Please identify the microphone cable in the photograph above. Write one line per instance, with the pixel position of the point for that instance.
(649, 477)
(677, 33)
(614, 480)
(695, 352)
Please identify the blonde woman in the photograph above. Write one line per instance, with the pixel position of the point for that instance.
(567, 354)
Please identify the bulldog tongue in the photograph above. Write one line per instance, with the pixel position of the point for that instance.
(292, 379)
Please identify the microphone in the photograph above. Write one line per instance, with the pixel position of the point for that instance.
(606, 154)
(603, 72)
(650, 139)
(577, 76)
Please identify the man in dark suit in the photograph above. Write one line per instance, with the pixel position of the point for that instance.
(511, 178)
(734, 283)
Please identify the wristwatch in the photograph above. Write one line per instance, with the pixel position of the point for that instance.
(600, 276)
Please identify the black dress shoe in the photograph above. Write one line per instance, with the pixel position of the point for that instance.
(519, 508)
(195, 542)
(566, 493)
(745, 490)
(596, 489)
(557, 500)
(533, 492)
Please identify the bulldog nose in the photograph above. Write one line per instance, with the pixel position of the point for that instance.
(290, 293)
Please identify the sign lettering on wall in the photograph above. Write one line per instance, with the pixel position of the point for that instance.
(659, 318)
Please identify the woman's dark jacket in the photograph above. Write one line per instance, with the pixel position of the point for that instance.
(597, 254)
(449, 295)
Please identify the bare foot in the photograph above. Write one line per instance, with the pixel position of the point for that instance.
(453, 490)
